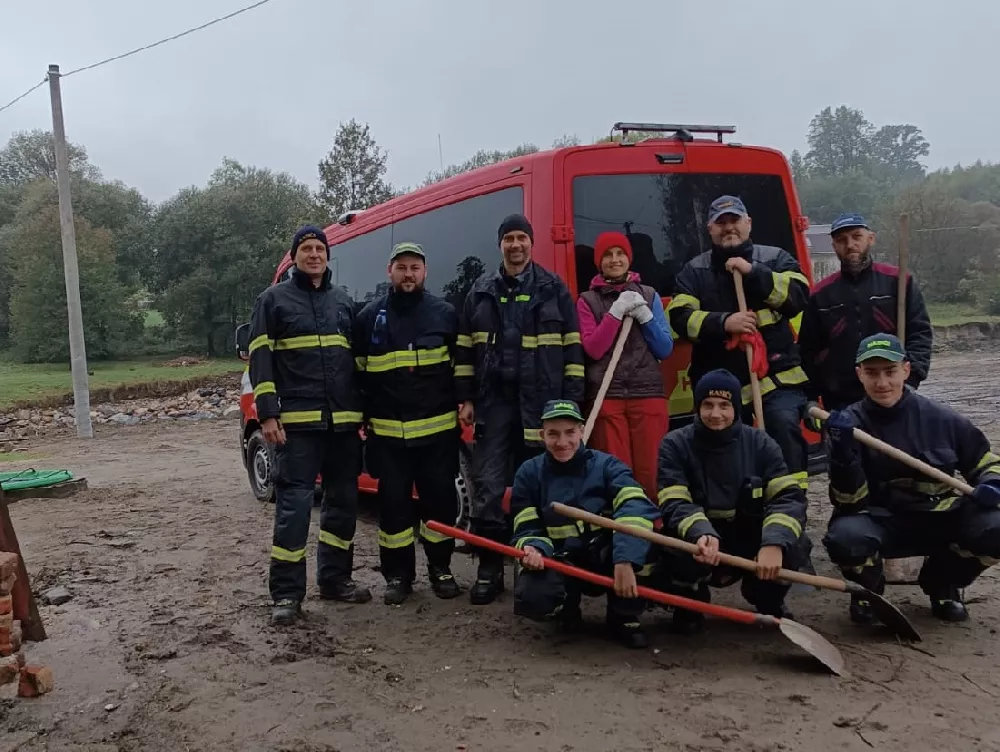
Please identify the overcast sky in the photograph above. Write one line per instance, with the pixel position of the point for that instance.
(270, 86)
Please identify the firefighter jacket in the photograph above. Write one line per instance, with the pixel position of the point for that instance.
(845, 308)
(549, 361)
(705, 296)
(734, 475)
(301, 366)
(404, 346)
(871, 482)
(594, 481)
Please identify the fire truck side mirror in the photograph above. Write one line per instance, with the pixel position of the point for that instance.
(243, 342)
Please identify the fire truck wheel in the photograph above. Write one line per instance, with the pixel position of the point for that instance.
(260, 467)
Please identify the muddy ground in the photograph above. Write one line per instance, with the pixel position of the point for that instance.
(166, 643)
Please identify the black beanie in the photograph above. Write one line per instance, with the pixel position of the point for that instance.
(718, 383)
(306, 233)
(512, 223)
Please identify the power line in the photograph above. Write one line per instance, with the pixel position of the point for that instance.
(14, 101)
(168, 39)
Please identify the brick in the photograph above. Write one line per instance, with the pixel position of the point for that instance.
(7, 622)
(7, 584)
(6, 604)
(8, 565)
(9, 669)
(7, 648)
(35, 681)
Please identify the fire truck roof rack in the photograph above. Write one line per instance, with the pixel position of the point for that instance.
(681, 131)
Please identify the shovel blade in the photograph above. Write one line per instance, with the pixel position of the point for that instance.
(892, 617)
(815, 644)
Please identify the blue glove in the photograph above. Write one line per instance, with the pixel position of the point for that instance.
(987, 495)
(840, 429)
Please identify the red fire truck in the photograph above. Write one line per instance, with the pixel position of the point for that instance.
(656, 190)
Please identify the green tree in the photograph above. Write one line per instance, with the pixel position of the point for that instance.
(352, 174)
(481, 158)
(31, 155)
(839, 141)
(38, 321)
(897, 149)
(217, 247)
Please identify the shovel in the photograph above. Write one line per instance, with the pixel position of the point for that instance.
(887, 613)
(758, 400)
(811, 642)
(616, 355)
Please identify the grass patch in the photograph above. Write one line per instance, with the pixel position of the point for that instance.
(152, 318)
(49, 384)
(21, 457)
(950, 314)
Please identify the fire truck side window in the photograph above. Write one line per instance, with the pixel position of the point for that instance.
(665, 214)
(460, 240)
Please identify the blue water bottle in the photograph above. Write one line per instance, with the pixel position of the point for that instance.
(378, 331)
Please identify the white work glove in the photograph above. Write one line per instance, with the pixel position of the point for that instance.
(642, 314)
(626, 302)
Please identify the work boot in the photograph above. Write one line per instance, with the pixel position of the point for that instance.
(861, 610)
(396, 591)
(687, 622)
(778, 611)
(948, 606)
(442, 582)
(570, 620)
(286, 612)
(489, 580)
(628, 631)
(346, 591)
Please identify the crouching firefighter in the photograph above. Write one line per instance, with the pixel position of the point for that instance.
(569, 473)
(403, 345)
(885, 509)
(724, 486)
(307, 400)
(518, 347)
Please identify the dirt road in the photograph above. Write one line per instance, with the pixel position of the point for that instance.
(166, 643)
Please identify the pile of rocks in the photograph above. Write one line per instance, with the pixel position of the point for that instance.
(200, 404)
(32, 681)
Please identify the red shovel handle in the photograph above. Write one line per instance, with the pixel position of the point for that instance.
(723, 612)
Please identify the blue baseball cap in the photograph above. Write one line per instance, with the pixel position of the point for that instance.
(562, 409)
(847, 220)
(885, 346)
(727, 205)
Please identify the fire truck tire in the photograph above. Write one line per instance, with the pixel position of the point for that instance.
(260, 467)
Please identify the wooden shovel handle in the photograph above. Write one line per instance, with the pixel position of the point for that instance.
(898, 454)
(616, 355)
(739, 562)
(758, 400)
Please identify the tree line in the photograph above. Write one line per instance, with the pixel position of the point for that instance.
(200, 258)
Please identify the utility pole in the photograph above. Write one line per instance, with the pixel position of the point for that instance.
(71, 268)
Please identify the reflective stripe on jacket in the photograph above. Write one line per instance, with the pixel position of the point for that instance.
(301, 366)
(406, 362)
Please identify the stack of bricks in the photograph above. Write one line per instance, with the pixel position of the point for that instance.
(32, 681)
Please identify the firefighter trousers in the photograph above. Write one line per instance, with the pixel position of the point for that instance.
(337, 456)
(959, 544)
(542, 595)
(430, 466)
(782, 420)
(680, 574)
(499, 450)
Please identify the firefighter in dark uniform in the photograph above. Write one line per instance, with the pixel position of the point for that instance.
(404, 346)
(884, 509)
(724, 486)
(597, 482)
(705, 312)
(858, 301)
(518, 347)
(304, 386)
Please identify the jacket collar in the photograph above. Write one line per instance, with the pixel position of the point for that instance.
(721, 255)
(303, 282)
(600, 284)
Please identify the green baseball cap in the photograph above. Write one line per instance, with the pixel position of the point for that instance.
(562, 409)
(403, 248)
(885, 346)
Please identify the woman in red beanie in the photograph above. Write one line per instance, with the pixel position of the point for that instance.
(634, 416)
